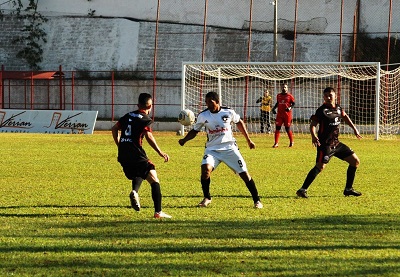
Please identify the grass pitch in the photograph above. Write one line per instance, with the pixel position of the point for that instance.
(64, 211)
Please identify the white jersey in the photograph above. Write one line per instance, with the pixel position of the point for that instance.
(218, 127)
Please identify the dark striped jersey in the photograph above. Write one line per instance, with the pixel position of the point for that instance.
(133, 126)
(329, 119)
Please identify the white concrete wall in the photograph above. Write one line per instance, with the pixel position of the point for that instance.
(91, 43)
(232, 13)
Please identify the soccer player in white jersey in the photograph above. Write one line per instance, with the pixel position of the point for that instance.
(221, 146)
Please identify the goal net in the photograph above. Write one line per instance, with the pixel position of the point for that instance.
(240, 85)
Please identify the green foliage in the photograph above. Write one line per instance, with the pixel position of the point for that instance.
(32, 33)
(64, 211)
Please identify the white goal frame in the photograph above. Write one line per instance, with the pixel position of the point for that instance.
(273, 73)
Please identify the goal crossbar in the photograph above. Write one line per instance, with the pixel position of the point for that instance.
(240, 84)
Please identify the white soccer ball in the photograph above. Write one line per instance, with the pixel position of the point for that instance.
(186, 117)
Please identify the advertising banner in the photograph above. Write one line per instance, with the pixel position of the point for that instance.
(47, 121)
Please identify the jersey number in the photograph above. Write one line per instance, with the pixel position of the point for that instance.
(128, 131)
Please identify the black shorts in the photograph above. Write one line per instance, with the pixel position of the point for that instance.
(325, 153)
(140, 169)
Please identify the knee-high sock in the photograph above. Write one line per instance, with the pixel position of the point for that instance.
(290, 135)
(136, 182)
(205, 186)
(277, 134)
(251, 186)
(351, 174)
(310, 177)
(156, 195)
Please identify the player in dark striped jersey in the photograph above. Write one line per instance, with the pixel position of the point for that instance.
(133, 127)
(329, 117)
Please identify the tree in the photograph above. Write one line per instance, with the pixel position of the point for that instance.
(32, 33)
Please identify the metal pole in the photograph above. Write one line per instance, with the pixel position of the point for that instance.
(155, 61)
(275, 3)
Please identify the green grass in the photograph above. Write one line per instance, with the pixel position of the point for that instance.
(64, 211)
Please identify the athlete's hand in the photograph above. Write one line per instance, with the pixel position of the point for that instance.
(315, 141)
(165, 156)
(288, 109)
(251, 144)
(357, 134)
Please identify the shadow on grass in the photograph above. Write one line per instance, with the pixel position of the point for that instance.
(267, 244)
(302, 231)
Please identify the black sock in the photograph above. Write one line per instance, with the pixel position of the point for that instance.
(351, 174)
(253, 190)
(156, 195)
(136, 182)
(310, 177)
(205, 186)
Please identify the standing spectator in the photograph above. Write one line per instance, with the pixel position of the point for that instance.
(131, 155)
(265, 109)
(284, 104)
(328, 116)
(221, 146)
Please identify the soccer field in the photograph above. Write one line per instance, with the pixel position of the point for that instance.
(65, 211)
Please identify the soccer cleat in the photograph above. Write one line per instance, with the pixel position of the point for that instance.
(291, 144)
(258, 205)
(134, 197)
(348, 192)
(205, 203)
(275, 145)
(302, 193)
(161, 215)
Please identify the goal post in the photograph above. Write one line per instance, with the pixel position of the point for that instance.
(241, 84)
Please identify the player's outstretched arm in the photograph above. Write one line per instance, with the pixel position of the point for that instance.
(313, 132)
(190, 135)
(348, 121)
(152, 141)
(242, 128)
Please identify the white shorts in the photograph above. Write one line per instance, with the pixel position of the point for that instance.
(231, 157)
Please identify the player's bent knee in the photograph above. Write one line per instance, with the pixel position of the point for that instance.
(353, 160)
(357, 162)
(152, 177)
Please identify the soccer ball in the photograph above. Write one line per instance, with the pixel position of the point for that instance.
(186, 117)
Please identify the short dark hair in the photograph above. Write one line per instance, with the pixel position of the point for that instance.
(329, 90)
(143, 98)
(213, 95)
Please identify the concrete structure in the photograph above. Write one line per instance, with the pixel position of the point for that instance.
(101, 35)
(119, 35)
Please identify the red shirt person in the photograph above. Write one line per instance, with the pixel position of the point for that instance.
(284, 104)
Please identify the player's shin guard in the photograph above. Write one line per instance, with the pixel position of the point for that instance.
(351, 174)
(205, 186)
(156, 195)
(310, 177)
(251, 186)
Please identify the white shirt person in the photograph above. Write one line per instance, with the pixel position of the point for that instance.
(221, 146)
